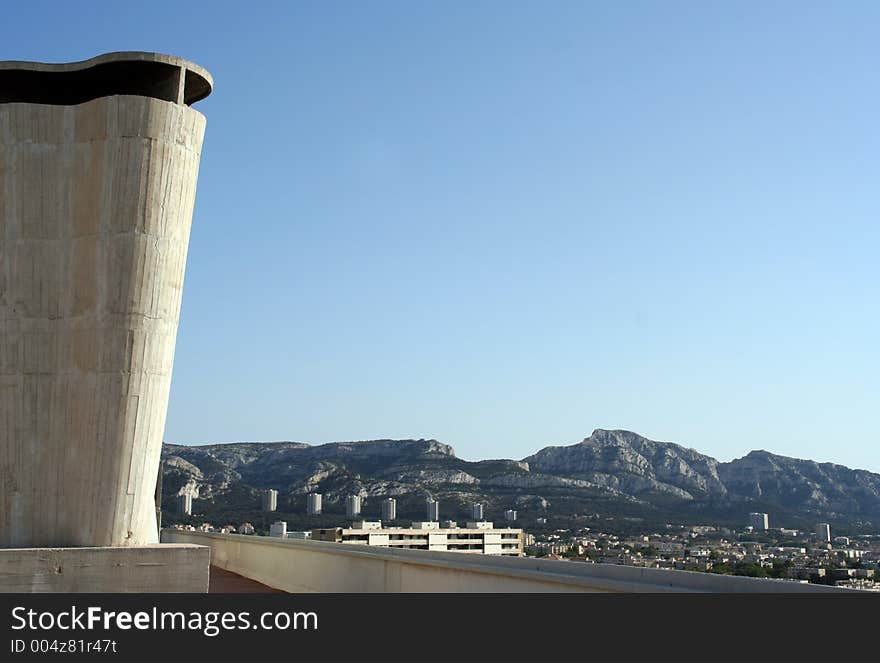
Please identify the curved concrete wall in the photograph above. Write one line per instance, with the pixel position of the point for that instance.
(96, 203)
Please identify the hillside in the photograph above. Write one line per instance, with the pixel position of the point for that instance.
(612, 473)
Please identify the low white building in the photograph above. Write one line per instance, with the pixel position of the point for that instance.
(479, 537)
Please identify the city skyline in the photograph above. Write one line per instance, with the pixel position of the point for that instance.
(502, 229)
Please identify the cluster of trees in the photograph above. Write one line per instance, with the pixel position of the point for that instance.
(778, 570)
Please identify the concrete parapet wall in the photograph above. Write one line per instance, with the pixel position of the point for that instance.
(318, 566)
(145, 569)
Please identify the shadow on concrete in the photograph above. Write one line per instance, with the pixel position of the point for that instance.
(226, 582)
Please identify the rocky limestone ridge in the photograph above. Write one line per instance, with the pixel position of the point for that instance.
(615, 465)
(634, 464)
(802, 483)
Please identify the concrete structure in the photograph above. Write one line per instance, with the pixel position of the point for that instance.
(278, 529)
(157, 494)
(299, 535)
(760, 522)
(480, 524)
(98, 168)
(141, 569)
(353, 505)
(510, 515)
(433, 509)
(314, 504)
(823, 532)
(389, 509)
(477, 512)
(367, 524)
(321, 566)
(429, 536)
(424, 524)
(185, 504)
(269, 500)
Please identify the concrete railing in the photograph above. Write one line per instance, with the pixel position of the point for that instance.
(318, 566)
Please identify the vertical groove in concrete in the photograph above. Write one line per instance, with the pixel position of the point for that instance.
(96, 202)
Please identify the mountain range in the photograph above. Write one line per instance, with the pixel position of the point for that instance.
(610, 474)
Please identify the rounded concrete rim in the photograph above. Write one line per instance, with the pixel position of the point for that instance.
(116, 56)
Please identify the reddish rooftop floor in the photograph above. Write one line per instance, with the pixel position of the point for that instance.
(226, 582)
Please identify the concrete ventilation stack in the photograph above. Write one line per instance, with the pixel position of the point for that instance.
(98, 168)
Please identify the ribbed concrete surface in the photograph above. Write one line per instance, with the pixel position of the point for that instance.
(96, 203)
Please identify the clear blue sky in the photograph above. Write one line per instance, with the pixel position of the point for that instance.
(505, 224)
